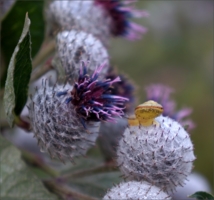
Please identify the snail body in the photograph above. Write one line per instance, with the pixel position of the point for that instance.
(146, 113)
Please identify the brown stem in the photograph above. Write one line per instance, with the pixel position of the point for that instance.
(20, 122)
(95, 170)
(47, 49)
(65, 191)
(37, 161)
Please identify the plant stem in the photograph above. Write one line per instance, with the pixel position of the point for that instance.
(95, 170)
(47, 49)
(65, 191)
(20, 122)
(37, 161)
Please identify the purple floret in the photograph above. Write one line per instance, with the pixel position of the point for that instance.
(121, 15)
(93, 99)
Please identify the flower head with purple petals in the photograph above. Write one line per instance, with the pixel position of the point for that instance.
(124, 88)
(162, 94)
(121, 15)
(92, 98)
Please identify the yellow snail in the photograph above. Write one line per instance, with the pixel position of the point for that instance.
(146, 113)
(133, 121)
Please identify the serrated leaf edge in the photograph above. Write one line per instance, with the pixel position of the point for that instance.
(9, 91)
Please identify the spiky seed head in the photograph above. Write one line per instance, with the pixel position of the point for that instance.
(136, 190)
(121, 14)
(74, 47)
(92, 98)
(101, 18)
(161, 154)
(79, 15)
(57, 126)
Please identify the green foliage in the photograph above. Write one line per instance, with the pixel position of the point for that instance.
(19, 71)
(202, 196)
(17, 181)
(12, 26)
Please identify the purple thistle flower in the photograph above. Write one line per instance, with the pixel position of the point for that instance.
(124, 88)
(162, 94)
(121, 15)
(92, 98)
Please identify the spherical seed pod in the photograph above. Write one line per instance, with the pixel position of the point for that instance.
(65, 120)
(98, 17)
(79, 15)
(136, 190)
(57, 126)
(73, 47)
(161, 154)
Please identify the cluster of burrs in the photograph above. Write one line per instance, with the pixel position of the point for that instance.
(66, 118)
(155, 153)
(154, 149)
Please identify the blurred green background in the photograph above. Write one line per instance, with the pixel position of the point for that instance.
(177, 51)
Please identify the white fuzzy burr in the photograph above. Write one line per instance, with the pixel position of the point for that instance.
(161, 154)
(136, 190)
(80, 15)
(74, 47)
(56, 125)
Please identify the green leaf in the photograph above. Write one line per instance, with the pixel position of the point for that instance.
(11, 28)
(202, 196)
(17, 181)
(18, 76)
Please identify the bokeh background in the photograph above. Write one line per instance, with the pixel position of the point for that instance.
(177, 51)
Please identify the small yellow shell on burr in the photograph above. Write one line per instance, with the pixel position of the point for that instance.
(147, 112)
(133, 121)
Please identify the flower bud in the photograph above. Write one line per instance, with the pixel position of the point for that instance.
(79, 15)
(101, 18)
(57, 126)
(161, 154)
(74, 47)
(135, 190)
